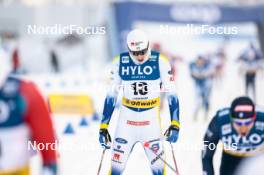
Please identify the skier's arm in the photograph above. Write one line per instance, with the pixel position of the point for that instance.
(39, 121)
(110, 100)
(211, 138)
(170, 89)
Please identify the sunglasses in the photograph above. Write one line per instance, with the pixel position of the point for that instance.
(240, 122)
(141, 52)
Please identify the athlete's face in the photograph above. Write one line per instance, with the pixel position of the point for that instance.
(200, 62)
(243, 126)
(140, 56)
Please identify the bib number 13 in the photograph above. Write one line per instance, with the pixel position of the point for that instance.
(140, 88)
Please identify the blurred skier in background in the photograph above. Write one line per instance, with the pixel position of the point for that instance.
(240, 128)
(24, 118)
(139, 72)
(173, 59)
(218, 61)
(202, 72)
(250, 61)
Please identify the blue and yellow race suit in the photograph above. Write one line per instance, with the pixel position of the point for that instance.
(139, 114)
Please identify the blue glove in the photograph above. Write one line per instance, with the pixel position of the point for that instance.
(104, 138)
(172, 134)
(50, 169)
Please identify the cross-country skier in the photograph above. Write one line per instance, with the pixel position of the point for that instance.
(250, 65)
(218, 62)
(140, 72)
(24, 119)
(202, 72)
(240, 129)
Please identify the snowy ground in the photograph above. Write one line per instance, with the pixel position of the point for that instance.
(84, 158)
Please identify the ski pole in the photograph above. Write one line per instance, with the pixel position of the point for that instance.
(101, 162)
(159, 157)
(167, 133)
(174, 159)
